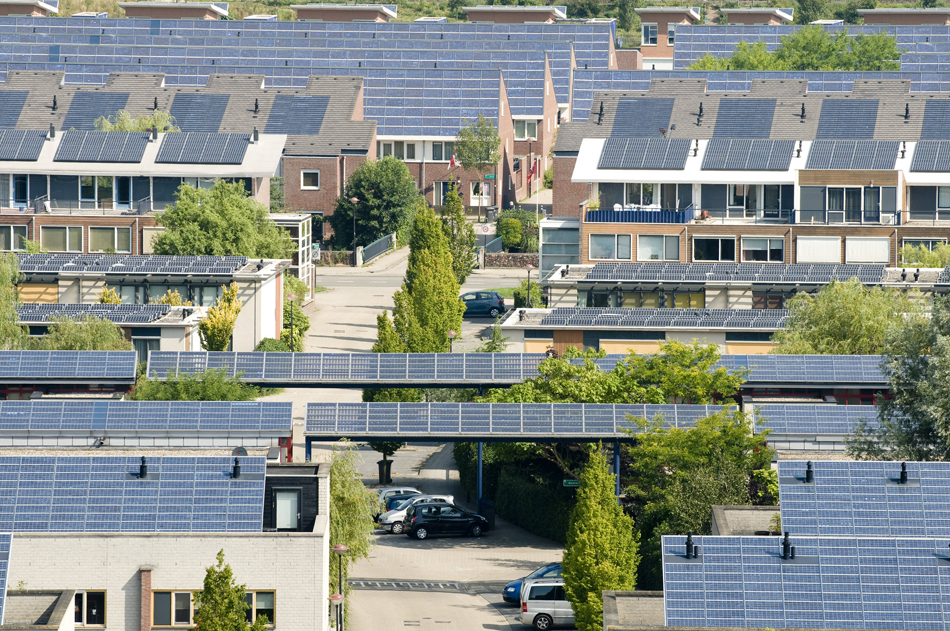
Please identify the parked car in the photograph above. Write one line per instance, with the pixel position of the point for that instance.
(512, 591)
(393, 519)
(544, 604)
(424, 520)
(489, 303)
(384, 493)
(394, 500)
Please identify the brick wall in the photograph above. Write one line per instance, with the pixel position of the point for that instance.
(629, 59)
(145, 598)
(567, 195)
(505, 259)
(34, 224)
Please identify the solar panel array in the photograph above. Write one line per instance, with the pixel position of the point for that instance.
(11, 104)
(105, 494)
(31, 313)
(748, 155)
(145, 416)
(101, 146)
(643, 153)
(6, 542)
(642, 118)
(65, 366)
(21, 145)
(814, 418)
(774, 273)
(771, 319)
(297, 114)
(865, 499)
(536, 419)
(130, 264)
(199, 112)
(878, 155)
(357, 369)
(847, 119)
(86, 107)
(936, 121)
(744, 118)
(833, 583)
(931, 156)
(203, 148)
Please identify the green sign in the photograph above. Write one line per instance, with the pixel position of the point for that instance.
(489, 177)
(572, 483)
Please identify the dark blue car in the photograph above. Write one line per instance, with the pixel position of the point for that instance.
(512, 591)
(489, 303)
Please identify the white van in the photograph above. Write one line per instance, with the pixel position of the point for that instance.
(544, 604)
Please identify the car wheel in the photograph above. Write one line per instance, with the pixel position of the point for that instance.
(543, 621)
(397, 528)
(493, 312)
(475, 531)
(421, 533)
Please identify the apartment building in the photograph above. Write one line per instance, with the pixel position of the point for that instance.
(658, 33)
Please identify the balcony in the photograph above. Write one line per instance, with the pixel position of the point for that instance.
(640, 214)
(849, 217)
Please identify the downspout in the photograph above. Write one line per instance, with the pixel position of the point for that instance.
(422, 171)
(137, 237)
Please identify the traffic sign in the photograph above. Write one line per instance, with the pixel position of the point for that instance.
(489, 177)
(572, 483)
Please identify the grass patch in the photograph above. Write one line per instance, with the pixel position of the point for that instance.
(504, 292)
(319, 289)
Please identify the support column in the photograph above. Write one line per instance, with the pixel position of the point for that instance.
(307, 449)
(617, 468)
(145, 598)
(478, 500)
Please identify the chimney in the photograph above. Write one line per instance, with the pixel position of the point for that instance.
(257, 107)
(689, 544)
(786, 546)
(903, 275)
(145, 598)
(237, 469)
(809, 473)
(600, 114)
(695, 552)
(906, 111)
(917, 275)
(700, 110)
(792, 552)
(803, 111)
(143, 469)
(256, 135)
(54, 103)
(903, 473)
(154, 133)
(52, 131)
(155, 104)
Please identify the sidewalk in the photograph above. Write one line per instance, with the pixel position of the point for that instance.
(383, 263)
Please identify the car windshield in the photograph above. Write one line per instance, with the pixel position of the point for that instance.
(539, 572)
(401, 505)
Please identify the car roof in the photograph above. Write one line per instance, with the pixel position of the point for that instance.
(533, 582)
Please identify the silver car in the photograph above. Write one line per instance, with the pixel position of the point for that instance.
(392, 520)
(544, 604)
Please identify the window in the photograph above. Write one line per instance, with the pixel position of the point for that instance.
(526, 130)
(12, 238)
(658, 248)
(110, 239)
(943, 197)
(743, 199)
(384, 149)
(867, 250)
(649, 35)
(481, 193)
(310, 180)
(439, 191)
(260, 604)
(686, 300)
(410, 151)
(765, 300)
(714, 249)
(21, 189)
(670, 34)
(610, 247)
(442, 151)
(199, 182)
(171, 609)
(818, 249)
(927, 244)
(90, 609)
(87, 190)
(56, 239)
(638, 194)
(763, 250)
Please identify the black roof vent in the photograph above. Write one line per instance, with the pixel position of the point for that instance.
(52, 131)
(143, 469)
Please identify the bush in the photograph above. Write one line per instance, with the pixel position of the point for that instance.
(535, 507)
(270, 345)
(510, 230)
(466, 460)
(520, 295)
(548, 181)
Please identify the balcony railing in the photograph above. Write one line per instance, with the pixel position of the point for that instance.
(856, 217)
(646, 215)
(640, 214)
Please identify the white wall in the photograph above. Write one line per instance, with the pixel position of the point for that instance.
(269, 308)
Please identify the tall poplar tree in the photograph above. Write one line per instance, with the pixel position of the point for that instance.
(220, 605)
(460, 235)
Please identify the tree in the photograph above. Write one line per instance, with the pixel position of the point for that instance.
(844, 318)
(386, 197)
(85, 333)
(521, 296)
(220, 605)
(123, 121)
(626, 14)
(920, 256)
(301, 324)
(13, 335)
(109, 296)
(386, 448)
(220, 221)
(173, 299)
(389, 341)
(211, 385)
(351, 511)
(277, 200)
(460, 235)
(478, 146)
(270, 345)
(584, 8)
(810, 10)
(216, 328)
(601, 551)
(928, 4)
(510, 230)
(496, 344)
(293, 286)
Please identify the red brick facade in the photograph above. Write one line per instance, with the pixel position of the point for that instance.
(145, 598)
(567, 195)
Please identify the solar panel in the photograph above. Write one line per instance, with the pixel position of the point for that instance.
(638, 153)
(744, 118)
(878, 155)
(642, 118)
(665, 318)
(833, 582)
(6, 542)
(105, 494)
(67, 366)
(814, 419)
(132, 264)
(748, 155)
(11, 104)
(21, 145)
(847, 119)
(297, 114)
(203, 148)
(931, 156)
(86, 107)
(99, 146)
(120, 314)
(936, 121)
(199, 112)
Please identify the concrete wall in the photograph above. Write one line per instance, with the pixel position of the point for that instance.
(171, 12)
(512, 17)
(742, 520)
(318, 14)
(635, 609)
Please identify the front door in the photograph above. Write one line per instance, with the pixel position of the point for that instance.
(287, 510)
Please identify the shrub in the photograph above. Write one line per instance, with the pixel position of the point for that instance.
(548, 181)
(270, 345)
(535, 507)
(510, 230)
(521, 298)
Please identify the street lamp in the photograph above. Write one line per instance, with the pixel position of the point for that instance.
(291, 297)
(451, 335)
(354, 201)
(340, 550)
(337, 601)
(529, 267)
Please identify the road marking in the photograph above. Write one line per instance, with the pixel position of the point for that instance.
(473, 587)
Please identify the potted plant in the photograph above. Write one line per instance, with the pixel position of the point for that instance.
(385, 465)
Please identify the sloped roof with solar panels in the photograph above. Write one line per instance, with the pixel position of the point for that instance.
(125, 315)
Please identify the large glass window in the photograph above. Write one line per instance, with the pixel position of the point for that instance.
(171, 609)
(687, 300)
(927, 244)
(260, 604)
(756, 250)
(526, 130)
(21, 189)
(310, 180)
(766, 300)
(714, 249)
(12, 238)
(640, 300)
(610, 247)
(102, 239)
(648, 35)
(658, 248)
(61, 239)
(642, 194)
(90, 609)
(442, 151)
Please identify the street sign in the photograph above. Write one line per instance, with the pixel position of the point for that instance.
(572, 483)
(489, 177)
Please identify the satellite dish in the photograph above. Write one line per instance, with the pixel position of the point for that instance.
(239, 451)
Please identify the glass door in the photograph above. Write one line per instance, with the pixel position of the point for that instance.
(772, 202)
(123, 193)
(872, 204)
(287, 510)
(852, 205)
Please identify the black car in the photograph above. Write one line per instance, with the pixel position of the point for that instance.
(425, 520)
(489, 303)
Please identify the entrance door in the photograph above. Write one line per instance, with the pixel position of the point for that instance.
(287, 510)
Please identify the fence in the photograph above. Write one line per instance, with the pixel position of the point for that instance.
(378, 247)
(493, 246)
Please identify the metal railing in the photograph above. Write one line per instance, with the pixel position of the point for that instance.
(379, 247)
(493, 246)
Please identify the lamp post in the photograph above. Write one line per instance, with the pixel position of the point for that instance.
(528, 267)
(340, 550)
(291, 298)
(451, 335)
(354, 201)
(337, 601)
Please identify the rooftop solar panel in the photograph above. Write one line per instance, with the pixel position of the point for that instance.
(879, 155)
(21, 145)
(641, 153)
(744, 118)
(11, 104)
(297, 114)
(770, 319)
(31, 313)
(199, 112)
(98, 146)
(642, 118)
(931, 156)
(130, 264)
(203, 148)
(847, 119)
(814, 419)
(748, 155)
(86, 107)
(68, 366)
(6, 542)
